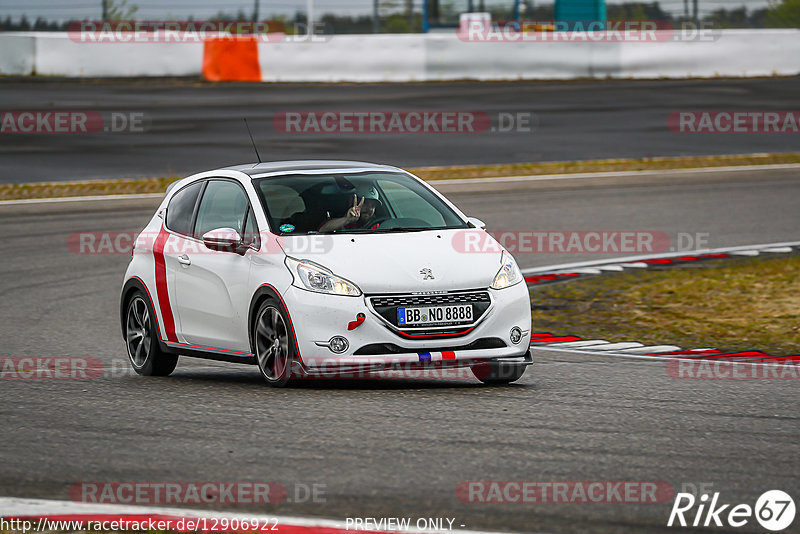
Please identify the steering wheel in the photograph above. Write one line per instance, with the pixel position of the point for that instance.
(379, 221)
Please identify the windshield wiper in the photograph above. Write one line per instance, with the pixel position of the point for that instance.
(402, 229)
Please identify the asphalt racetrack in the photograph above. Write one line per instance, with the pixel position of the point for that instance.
(389, 448)
(188, 126)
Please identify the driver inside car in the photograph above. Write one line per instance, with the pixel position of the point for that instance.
(359, 215)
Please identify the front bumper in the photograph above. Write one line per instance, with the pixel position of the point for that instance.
(318, 317)
(350, 367)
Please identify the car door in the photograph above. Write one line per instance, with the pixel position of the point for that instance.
(211, 285)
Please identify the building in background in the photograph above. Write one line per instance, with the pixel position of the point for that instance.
(572, 11)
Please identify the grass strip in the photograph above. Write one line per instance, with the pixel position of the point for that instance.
(602, 165)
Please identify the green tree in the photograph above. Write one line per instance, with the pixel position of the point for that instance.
(723, 18)
(784, 14)
(396, 24)
(120, 10)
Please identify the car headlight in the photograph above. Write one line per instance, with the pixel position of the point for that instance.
(315, 277)
(508, 275)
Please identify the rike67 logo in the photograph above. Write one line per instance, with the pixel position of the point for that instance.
(774, 510)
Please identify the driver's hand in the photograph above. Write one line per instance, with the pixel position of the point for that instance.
(354, 213)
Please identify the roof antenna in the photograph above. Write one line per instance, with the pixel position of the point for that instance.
(252, 141)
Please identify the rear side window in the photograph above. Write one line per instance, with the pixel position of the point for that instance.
(224, 205)
(181, 207)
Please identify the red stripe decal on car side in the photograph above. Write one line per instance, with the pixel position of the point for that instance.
(161, 285)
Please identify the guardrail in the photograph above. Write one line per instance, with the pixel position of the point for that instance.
(416, 57)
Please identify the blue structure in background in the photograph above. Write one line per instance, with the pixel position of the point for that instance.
(565, 10)
(580, 10)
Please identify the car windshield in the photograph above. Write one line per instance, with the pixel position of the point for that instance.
(323, 203)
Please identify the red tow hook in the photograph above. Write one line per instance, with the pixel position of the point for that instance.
(352, 325)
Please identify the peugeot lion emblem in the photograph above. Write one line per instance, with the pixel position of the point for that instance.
(426, 273)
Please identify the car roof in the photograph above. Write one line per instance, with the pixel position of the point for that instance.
(253, 169)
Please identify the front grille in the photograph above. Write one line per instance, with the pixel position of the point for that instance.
(387, 305)
(430, 300)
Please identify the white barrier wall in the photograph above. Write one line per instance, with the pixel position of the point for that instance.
(358, 58)
(409, 57)
(442, 56)
(17, 54)
(58, 55)
(735, 53)
(449, 58)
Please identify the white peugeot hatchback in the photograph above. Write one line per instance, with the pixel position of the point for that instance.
(319, 268)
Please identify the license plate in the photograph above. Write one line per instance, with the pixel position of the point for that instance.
(434, 315)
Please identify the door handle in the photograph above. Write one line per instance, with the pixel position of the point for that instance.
(183, 259)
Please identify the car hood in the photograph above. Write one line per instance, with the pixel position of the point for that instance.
(395, 262)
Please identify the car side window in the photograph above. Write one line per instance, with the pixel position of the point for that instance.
(181, 208)
(224, 205)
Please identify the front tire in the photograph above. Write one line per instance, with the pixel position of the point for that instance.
(274, 345)
(498, 373)
(141, 340)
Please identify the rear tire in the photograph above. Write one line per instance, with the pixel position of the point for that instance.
(141, 339)
(496, 373)
(273, 343)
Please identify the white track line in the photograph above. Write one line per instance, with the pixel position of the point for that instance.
(613, 347)
(632, 356)
(745, 253)
(613, 354)
(586, 270)
(21, 507)
(613, 174)
(652, 349)
(580, 344)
